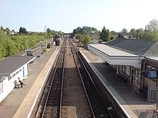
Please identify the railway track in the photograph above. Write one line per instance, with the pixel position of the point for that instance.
(96, 103)
(50, 105)
(70, 91)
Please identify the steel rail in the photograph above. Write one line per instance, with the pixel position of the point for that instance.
(62, 84)
(89, 98)
(91, 109)
(61, 53)
(46, 89)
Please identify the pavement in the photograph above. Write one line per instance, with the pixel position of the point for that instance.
(10, 105)
(133, 104)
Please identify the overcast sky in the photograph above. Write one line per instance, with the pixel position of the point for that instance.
(66, 15)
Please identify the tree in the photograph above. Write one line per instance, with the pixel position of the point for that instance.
(7, 30)
(84, 30)
(133, 32)
(2, 50)
(102, 34)
(141, 33)
(3, 38)
(86, 39)
(2, 28)
(48, 45)
(77, 30)
(48, 30)
(151, 30)
(111, 38)
(152, 26)
(124, 30)
(11, 47)
(108, 35)
(105, 34)
(11, 44)
(78, 36)
(22, 30)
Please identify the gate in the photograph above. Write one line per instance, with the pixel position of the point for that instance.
(152, 95)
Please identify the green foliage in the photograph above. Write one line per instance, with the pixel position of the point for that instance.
(102, 33)
(11, 44)
(124, 30)
(2, 50)
(108, 35)
(11, 47)
(85, 30)
(6, 30)
(48, 45)
(151, 30)
(133, 32)
(111, 38)
(77, 30)
(140, 33)
(51, 33)
(3, 38)
(86, 39)
(152, 26)
(77, 36)
(2, 28)
(105, 34)
(22, 30)
(48, 30)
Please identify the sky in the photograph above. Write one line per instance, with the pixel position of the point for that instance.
(67, 15)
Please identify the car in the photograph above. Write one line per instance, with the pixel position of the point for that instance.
(29, 53)
(38, 54)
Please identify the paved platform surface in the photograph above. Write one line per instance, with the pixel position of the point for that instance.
(10, 105)
(133, 103)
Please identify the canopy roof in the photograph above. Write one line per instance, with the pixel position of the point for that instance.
(10, 64)
(115, 56)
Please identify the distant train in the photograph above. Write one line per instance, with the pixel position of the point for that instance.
(56, 40)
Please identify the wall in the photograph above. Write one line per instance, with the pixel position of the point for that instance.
(7, 83)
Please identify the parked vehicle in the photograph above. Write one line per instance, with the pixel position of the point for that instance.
(38, 54)
(29, 53)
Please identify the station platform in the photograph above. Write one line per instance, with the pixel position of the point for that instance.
(132, 103)
(19, 103)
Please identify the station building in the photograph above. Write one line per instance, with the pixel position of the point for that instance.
(135, 61)
(12, 69)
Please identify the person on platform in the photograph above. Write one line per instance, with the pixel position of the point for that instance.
(21, 83)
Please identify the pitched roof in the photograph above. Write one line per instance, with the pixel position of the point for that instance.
(136, 46)
(10, 64)
(122, 33)
(153, 51)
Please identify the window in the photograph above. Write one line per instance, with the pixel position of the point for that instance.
(152, 74)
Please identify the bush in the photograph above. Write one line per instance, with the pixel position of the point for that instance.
(48, 45)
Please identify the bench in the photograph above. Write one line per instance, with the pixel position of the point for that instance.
(17, 85)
